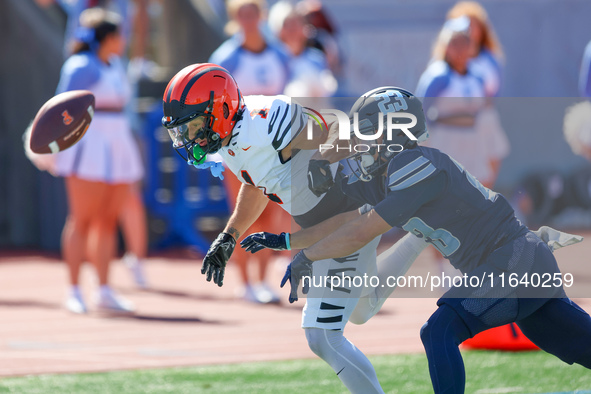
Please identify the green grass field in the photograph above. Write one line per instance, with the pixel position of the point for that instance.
(487, 372)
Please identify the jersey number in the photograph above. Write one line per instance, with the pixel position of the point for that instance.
(273, 197)
(442, 239)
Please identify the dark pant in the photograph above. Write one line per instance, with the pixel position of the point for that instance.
(546, 316)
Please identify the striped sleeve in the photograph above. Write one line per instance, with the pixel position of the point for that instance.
(286, 121)
(410, 173)
(413, 181)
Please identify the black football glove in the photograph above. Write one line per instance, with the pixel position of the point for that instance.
(257, 241)
(214, 263)
(319, 177)
(299, 267)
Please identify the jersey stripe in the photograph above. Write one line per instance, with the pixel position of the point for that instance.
(279, 133)
(407, 169)
(422, 173)
(274, 116)
(327, 306)
(280, 128)
(299, 120)
(330, 319)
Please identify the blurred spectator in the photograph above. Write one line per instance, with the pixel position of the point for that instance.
(134, 27)
(486, 52)
(322, 34)
(486, 63)
(311, 76)
(259, 67)
(585, 73)
(133, 215)
(73, 9)
(453, 101)
(101, 169)
(452, 105)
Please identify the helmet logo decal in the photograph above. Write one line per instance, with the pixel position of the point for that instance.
(231, 152)
(67, 119)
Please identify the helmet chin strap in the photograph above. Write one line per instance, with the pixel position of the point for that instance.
(367, 160)
(370, 165)
(364, 163)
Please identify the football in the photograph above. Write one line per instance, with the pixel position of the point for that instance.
(62, 121)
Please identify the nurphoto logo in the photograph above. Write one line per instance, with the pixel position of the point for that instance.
(362, 130)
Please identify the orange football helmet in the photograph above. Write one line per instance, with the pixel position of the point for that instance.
(202, 104)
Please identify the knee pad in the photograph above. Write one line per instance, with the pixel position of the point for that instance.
(314, 338)
(323, 342)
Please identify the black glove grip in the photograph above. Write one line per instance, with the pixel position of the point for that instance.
(319, 177)
(214, 263)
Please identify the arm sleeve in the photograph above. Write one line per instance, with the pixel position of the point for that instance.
(401, 204)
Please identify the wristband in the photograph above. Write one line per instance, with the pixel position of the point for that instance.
(287, 244)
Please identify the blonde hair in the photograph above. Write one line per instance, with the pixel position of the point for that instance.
(232, 8)
(447, 33)
(475, 11)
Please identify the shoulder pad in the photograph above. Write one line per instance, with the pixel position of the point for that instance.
(285, 121)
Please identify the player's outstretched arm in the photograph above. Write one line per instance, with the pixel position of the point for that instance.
(298, 240)
(249, 206)
(311, 235)
(349, 237)
(343, 242)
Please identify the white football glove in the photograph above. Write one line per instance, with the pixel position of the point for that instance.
(556, 239)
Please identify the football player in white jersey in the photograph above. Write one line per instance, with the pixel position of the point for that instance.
(261, 139)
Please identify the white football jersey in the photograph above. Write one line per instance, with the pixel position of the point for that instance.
(268, 125)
